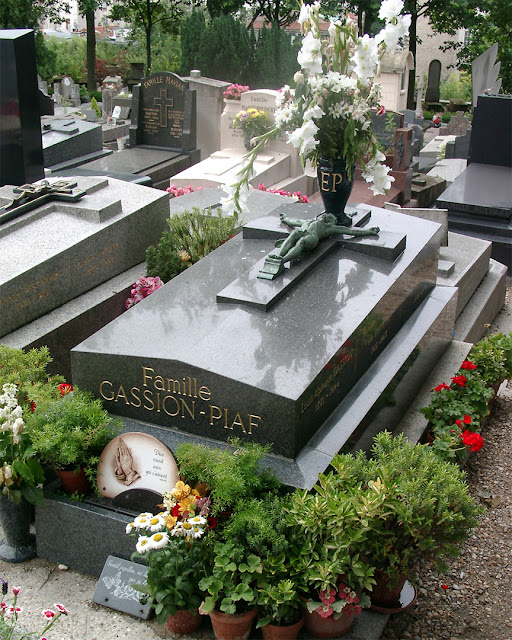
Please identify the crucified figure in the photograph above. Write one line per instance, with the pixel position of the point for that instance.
(308, 233)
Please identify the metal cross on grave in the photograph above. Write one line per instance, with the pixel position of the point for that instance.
(163, 102)
(268, 280)
(34, 195)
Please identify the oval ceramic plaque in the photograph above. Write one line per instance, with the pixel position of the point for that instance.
(136, 461)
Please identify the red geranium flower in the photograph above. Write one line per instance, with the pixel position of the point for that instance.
(441, 386)
(460, 380)
(444, 586)
(473, 440)
(466, 420)
(65, 388)
(468, 365)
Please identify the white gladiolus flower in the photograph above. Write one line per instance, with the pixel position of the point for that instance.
(390, 9)
(365, 59)
(298, 77)
(304, 137)
(310, 56)
(377, 173)
(313, 112)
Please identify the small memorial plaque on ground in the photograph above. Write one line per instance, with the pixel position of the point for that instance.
(115, 587)
(135, 469)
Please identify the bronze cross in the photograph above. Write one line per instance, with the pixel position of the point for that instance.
(32, 196)
(164, 103)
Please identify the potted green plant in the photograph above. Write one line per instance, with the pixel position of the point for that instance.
(252, 122)
(330, 525)
(424, 508)
(174, 544)
(260, 526)
(70, 433)
(231, 588)
(232, 474)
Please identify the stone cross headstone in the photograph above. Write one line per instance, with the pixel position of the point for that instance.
(484, 73)
(434, 78)
(21, 149)
(164, 113)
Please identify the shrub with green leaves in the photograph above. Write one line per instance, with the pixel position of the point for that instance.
(191, 236)
(72, 431)
(424, 506)
(232, 475)
(493, 357)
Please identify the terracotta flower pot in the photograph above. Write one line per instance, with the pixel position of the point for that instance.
(328, 627)
(235, 626)
(384, 596)
(279, 632)
(183, 622)
(74, 482)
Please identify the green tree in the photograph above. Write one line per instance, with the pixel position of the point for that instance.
(87, 9)
(193, 31)
(28, 14)
(488, 24)
(279, 12)
(275, 59)
(445, 16)
(147, 14)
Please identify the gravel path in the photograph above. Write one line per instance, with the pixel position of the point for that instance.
(471, 602)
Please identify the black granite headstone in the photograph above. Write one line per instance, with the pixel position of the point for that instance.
(164, 113)
(115, 587)
(434, 78)
(21, 150)
(491, 139)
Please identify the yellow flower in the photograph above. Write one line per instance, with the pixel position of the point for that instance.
(170, 522)
(188, 504)
(181, 490)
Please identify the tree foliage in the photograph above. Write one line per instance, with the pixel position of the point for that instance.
(147, 14)
(278, 12)
(225, 50)
(488, 24)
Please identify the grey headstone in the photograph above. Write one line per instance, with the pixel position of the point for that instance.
(484, 73)
(107, 99)
(115, 587)
(458, 125)
(249, 364)
(66, 87)
(434, 78)
(164, 113)
(459, 148)
(125, 113)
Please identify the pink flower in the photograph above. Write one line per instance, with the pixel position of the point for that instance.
(48, 614)
(325, 611)
(381, 110)
(61, 608)
(328, 599)
(16, 590)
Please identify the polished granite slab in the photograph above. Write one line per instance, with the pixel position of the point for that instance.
(184, 361)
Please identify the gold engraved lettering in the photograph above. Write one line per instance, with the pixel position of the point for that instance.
(238, 422)
(106, 382)
(147, 396)
(134, 391)
(175, 384)
(121, 394)
(144, 375)
(204, 393)
(337, 178)
(158, 403)
(165, 408)
(184, 406)
(325, 181)
(159, 383)
(252, 424)
(215, 417)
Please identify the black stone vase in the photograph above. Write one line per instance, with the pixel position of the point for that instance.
(19, 544)
(335, 188)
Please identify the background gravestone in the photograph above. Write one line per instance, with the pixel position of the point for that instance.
(484, 73)
(164, 109)
(491, 138)
(21, 151)
(385, 126)
(434, 78)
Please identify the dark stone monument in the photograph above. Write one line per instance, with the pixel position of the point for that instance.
(384, 127)
(70, 143)
(479, 201)
(459, 148)
(21, 151)
(434, 78)
(164, 113)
